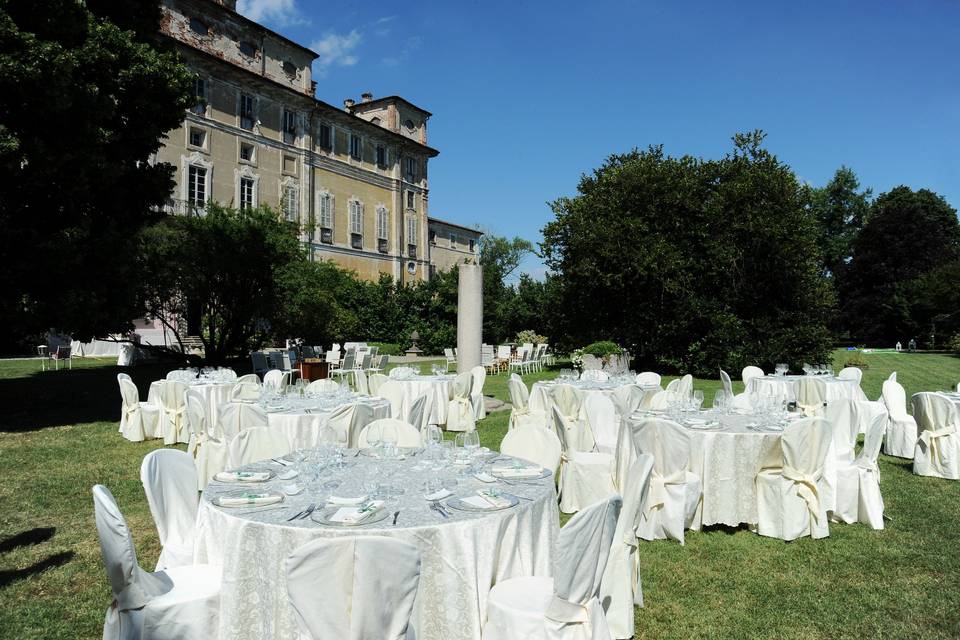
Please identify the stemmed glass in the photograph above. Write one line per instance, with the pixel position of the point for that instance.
(720, 401)
(471, 441)
(697, 400)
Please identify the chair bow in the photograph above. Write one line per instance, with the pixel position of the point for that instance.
(930, 437)
(657, 496)
(560, 610)
(807, 489)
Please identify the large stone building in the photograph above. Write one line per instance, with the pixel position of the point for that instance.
(451, 244)
(354, 178)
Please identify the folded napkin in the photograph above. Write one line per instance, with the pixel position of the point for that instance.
(522, 472)
(242, 476)
(438, 495)
(291, 489)
(484, 477)
(255, 499)
(337, 500)
(356, 515)
(484, 500)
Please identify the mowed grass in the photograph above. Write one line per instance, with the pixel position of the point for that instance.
(58, 437)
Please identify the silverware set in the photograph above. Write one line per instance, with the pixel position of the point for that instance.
(303, 514)
(436, 506)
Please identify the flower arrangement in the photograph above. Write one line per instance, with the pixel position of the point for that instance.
(605, 350)
(529, 335)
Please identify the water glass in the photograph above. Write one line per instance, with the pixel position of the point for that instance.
(697, 400)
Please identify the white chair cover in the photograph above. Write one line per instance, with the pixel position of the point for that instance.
(245, 391)
(851, 373)
(595, 375)
(602, 421)
(648, 378)
(236, 416)
(250, 378)
(789, 499)
(811, 394)
(858, 484)
(360, 380)
(533, 443)
(375, 381)
(460, 416)
(901, 436)
(685, 386)
(407, 434)
(673, 386)
(353, 588)
(569, 400)
(674, 493)
(174, 427)
(392, 391)
(170, 483)
(585, 476)
(567, 606)
(621, 587)
(726, 383)
(519, 400)
(257, 443)
(627, 400)
(843, 416)
(661, 399)
(420, 411)
(138, 420)
(196, 416)
(938, 447)
(276, 379)
(479, 375)
(324, 385)
(750, 372)
(181, 603)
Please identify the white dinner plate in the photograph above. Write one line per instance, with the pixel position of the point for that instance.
(460, 505)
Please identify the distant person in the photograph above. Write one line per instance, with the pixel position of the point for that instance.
(899, 347)
(912, 345)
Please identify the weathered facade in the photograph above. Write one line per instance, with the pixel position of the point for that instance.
(451, 244)
(354, 179)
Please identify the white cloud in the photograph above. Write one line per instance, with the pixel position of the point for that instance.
(277, 12)
(412, 44)
(334, 49)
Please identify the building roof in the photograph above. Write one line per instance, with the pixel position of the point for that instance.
(455, 225)
(242, 18)
(377, 101)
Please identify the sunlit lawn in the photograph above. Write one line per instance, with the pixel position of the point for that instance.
(59, 437)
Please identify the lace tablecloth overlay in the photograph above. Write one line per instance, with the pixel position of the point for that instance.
(727, 458)
(463, 555)
(782, 388)
(295, 416)
(416, 385)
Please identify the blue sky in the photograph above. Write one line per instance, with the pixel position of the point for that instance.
(527, 96)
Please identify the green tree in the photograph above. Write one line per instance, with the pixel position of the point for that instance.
(690, 263)
(315, 303)
(500, 258)
(908, 236)
(842, 209)
(86, 99)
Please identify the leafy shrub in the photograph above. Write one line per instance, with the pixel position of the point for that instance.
(954, 344)
(388, 348)
(603, 348)
(529, 335)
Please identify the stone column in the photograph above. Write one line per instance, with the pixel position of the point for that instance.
(469, 316)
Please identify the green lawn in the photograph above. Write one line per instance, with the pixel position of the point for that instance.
(58, 437)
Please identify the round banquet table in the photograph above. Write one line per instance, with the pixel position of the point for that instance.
(296, 416)
(726, 453)
(463, 556)
(416, 385)
(540, 391)
(215, 395)
(782, 387)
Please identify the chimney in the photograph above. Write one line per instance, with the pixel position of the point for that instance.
(366, 97)
(348, 104)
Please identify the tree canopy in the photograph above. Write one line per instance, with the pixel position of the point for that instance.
(691, 263)
(86, 99)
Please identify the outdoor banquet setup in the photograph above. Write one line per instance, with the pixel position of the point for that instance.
(361, 504)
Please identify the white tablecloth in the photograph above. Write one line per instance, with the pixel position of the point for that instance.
(440, 386)
(297, 423)
(215, 395)
(463, 556)
(540, 392)
(727, 460)
(782, 388)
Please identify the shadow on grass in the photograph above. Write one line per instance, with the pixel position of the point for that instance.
(57, 560)
(27, 538)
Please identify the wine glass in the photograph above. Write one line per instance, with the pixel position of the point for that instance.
(697, 400)
(471, 441)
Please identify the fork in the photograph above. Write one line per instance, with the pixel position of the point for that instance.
(294, 517)
(310, 510)
(436, 507)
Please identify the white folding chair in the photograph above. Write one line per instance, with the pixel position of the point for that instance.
(674, 494)
(858, 483)
(179, 602)
(460, 415)
(938, 447)
(392, 391)
(276, 379)
(479, 375)
(420, 410)
(236, 416)
(407, 435)
(565, 607)
(648, 378)
(627, 400)
(174, 425)
(521, 413)
(355, 588)
(569, 400)
(585, 476)
(811, 394)
(749, 373)
(901, 436)
(851, 373)
(726, 383)
(170, 483)
(601, 418)
(138, 420)
(789, 502)
(534, 443)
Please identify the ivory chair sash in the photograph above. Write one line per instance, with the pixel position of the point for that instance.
(585, 476)
(565, 607)
(180, 603)
(858, 483)
(901, 436)
(521, 413)
(479, 375)
(354, 588)
(534, 443)
(138, 420)
(407, 434)
(938, 447)
(174, 425)
(196, 417)
(257, 443)
(460, 416)
(811, 395)
(602, 420)
(170, 484)
(674, 494)
(569, 401)
(789, 503)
